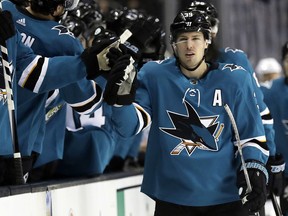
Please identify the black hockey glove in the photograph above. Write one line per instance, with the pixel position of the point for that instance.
(126, 48)
(95, 57)
(7, 27)
(276, 167)
(115, 53)
(258, 176)
(121, 82)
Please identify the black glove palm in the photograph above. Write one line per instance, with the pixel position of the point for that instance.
(121, 82)
(258, 175)
(115, 53)
(95, 57)
(275, 167)
(7, 28)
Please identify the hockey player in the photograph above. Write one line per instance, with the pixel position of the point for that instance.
(97, 132)
(238, 57)
(146, 44)
(276, 98)
(41, 76)
(35, 23)
(192, 165)
(94, 131)
(268, 69)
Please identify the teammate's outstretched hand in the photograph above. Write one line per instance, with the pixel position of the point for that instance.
(276, 167)
(115, 53)
(95, 57)
(7, 27)
(258, 175)
(121, 82)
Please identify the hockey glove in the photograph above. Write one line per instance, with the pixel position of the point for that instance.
(258, 176)
(123, 49)
(276, 167)
(7, 28)
(121, 82)
(95, 57)
(115, 53)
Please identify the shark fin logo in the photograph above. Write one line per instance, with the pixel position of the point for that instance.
(229, 49)
(232, 67)
(63, 30)
(194, 132)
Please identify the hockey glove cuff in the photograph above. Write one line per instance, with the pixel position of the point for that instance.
(254, 200)
(276, 167)
(121, 82)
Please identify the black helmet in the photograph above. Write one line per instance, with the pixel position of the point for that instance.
(74, 24)
(190, 21)
(90, 14)
(120, 19)
(84, 19)
(206, 8)
(147, 32)
(49, 6)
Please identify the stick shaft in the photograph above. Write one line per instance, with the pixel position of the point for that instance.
(11, 111)
(276, 205)
(234, 125)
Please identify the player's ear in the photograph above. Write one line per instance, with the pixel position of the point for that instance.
(206, 44)
(58, 11)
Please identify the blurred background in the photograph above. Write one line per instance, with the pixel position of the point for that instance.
(259, 27)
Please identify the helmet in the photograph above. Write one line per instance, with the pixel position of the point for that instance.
(284, 50)
(148, 36)
(90, 14)
(190, 21)
(84, 19)
(120, 19)
(206, 8)
(49, 6)
(74, 24)
(268, 66)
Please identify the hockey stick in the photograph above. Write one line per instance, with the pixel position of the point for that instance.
(11, 111)
(18, 174)
(237, 137)
(276, 205)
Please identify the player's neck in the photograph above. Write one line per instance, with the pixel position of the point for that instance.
(39, 15)
(197, 73)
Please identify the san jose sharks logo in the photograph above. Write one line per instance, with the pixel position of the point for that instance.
(63, 30)
(232, 67)
(3, 95)
(194, 131)
(229, 49)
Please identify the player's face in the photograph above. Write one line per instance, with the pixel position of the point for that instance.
(59, 12)
(190, 48)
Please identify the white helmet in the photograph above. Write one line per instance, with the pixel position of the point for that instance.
(268, 66)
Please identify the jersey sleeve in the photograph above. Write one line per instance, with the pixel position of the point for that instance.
(83, 96)
(42, 74)
(249, 123)
(240, 57)
(137, 115)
